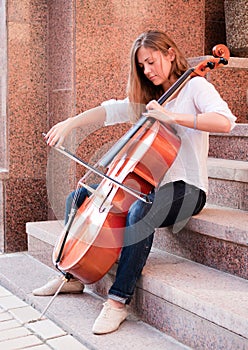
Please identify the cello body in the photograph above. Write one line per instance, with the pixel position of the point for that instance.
(96, 234)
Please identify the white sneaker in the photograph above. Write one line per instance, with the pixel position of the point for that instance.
(51, 287)
(109, 319)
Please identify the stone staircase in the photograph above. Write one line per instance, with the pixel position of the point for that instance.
(194, 287)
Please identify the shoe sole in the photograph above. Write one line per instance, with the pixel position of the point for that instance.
(49, 295)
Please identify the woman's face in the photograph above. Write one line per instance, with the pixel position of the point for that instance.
(156, 66)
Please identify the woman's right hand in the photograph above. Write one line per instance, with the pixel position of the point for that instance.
(57, 134)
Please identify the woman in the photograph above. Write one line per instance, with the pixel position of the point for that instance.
(156, 63)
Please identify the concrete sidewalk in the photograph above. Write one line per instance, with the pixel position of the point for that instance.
(17, 332)
(69, 319)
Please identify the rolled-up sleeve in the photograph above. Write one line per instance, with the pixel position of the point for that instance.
(208, 99)
(117, 111)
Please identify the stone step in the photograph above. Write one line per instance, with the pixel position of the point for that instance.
(217, 237)
(76, 313)
(42, 237)
(233, 145)
(188, 303)
(228, 183)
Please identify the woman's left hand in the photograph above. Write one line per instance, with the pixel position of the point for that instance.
(155, 110)
(209, 121)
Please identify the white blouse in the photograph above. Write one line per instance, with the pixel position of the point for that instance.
(197, 96)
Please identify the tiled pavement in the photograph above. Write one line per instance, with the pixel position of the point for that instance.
(19, 330)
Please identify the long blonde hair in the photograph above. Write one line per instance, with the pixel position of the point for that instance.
(140, 89)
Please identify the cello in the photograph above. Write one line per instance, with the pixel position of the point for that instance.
(93, 237)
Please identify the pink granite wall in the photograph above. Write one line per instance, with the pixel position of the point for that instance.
(25, 190)
(106, 29)
(61, 95)
(3, 87)
(236, 12)
(3, 116)
(215, 31)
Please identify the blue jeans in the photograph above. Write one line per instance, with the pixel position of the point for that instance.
(171, 205)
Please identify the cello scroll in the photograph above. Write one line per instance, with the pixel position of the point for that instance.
(221, 55)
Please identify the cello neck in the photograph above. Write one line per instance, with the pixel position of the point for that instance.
(175, 87)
